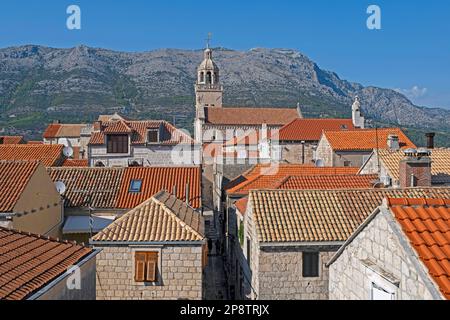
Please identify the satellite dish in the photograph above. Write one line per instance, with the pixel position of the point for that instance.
(319, 163)
(60, 187)
(68, 152)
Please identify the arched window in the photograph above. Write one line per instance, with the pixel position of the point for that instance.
(202, 77)
(208, 77)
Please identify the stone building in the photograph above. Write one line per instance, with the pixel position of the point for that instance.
(353, 148)
(28, 199)
(387, 164)
(75, 136)
(399, 253)
(155, 251)
(36, 267)
(126, 143)
(289, 237)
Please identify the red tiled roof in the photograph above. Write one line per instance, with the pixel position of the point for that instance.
(426, 223)
(51, 131)
(169, 135)
(49, 155)
(76, 163)
(365, 139)
(250, 116)
(155, 179)
(311, 129)
(329, 182)
(14, 177)
(11, 140)
(241, 205)
(30, 262)
(266, 177)
(108, 187)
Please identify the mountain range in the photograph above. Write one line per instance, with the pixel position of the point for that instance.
(40, 84)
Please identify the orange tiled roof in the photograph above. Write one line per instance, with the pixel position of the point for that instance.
(59, 130)
(163, 217)
(76, 163)
(169, 135)
(440, 166)
(49, 155)
(51, 131)
(269, 177)
(29, 262)
(11, 140)
(365, 139)
(311, 129)
(109, 187)
(250, 116)
(329, 182)
(241, 205)
(155, 179)
(426, 224)
(321, 215)
(14, 177)
(35, 142)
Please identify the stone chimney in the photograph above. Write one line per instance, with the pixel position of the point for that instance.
(393, 142)
(430, 140)
(357, 117)
(56, 121)
(415, 168)
(97, 126)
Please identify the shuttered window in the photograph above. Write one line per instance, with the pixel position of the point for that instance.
(146, 266)
(117, 143)
(310, 264)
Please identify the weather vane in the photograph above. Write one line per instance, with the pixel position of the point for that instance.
(208, 40)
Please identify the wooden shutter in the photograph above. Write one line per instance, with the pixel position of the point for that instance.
(139, 267)
(151, 271)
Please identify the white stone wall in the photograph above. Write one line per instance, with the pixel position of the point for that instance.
(179, 271)
(325, 152)
(351, 279)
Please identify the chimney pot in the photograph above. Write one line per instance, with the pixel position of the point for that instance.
(430, 139)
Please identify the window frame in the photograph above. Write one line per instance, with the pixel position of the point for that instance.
(120, 146)
(157, 136)
(307, 269)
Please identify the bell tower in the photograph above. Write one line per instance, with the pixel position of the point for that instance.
(208, 90)
(357, 117)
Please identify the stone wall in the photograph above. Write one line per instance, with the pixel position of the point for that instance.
(292, 152)
(280, 274)
(324, 152)
(351, 278)
(179, 273)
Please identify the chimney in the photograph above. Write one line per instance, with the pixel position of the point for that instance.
(56, 121)
(393, 143)
(430, 139)
(415, 168)
(97, 125)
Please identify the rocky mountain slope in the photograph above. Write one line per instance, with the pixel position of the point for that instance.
(39, 84)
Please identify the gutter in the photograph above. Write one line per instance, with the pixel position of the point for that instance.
(61, 277)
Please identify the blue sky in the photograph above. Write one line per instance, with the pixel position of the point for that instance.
(411, 52)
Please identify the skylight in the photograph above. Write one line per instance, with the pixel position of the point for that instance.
(135, 186)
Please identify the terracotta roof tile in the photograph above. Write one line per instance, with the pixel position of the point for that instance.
(271, 177)
(29, 262)
(250, 116)
(117, 127)
(241, 205)
(14, 177)
(163, 217)
(321, 215)
(311, 129)
(109, 187)
(51, 131)
(49, 155)
(440, 167)
(365, 139)
(423, 221)
(328, 182)
(155, 179)
(11, 140)
(76, 163)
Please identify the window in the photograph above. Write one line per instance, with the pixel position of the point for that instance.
(145, 266)
(310, 264)
(347, 163)
(202, 77)
(379, 293)
(117, 143)
(208, 77)
(153, 136)
(135, 186)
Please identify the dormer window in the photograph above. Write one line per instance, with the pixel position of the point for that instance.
(117, 143)
(153, 136)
